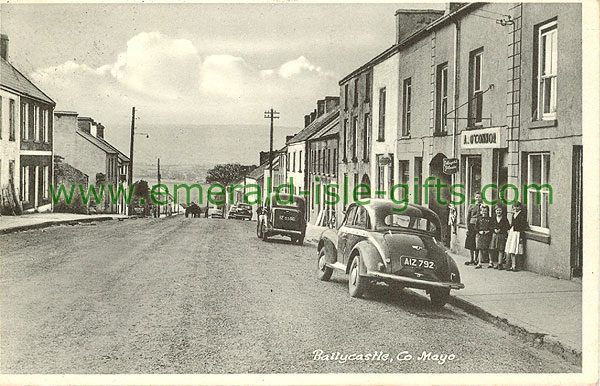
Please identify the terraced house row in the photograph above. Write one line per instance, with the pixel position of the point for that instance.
(40, 146)
(492, 90)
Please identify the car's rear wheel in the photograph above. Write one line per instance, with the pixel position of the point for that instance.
(439, 297)
(259, 230)
(323, 271)
(265, 236)
(357, 284)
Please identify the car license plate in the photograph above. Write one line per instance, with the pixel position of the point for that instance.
(287, 218)
(419, 263)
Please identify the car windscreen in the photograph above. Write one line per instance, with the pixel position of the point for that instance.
(244, 206)
(393, 221)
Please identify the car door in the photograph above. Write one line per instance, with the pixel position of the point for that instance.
(357, 231)
(343, 233)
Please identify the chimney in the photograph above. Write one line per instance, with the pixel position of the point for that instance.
(85, 125)
(264, 157)
(4, 47)
(288, 137)
(313, 115)
(331, 102)
(409, 21)
(451, 7)
(306, 120)
(100, 131)
(320, 107)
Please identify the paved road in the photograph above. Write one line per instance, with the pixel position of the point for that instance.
(189, 295)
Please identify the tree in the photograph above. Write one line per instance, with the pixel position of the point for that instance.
(227, 174)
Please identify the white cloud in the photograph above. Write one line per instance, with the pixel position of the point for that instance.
(171, 81)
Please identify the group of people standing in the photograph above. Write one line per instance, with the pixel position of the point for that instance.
(493, 238)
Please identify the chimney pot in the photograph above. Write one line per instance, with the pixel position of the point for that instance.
(4, 47)
(320, 107)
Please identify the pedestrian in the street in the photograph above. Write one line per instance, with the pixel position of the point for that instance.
(514, 242)
(473, 213)
(500, 225)
(483, 226)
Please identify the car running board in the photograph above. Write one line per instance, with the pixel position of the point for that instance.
(337, 265)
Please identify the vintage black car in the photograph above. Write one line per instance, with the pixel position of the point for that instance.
(284, 215)
(380, 242)
(240, 211)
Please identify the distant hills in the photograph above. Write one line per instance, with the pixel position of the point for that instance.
(197, 146)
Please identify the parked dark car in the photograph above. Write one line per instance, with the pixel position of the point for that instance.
(282, 215)
(380, 242)
(240, 211)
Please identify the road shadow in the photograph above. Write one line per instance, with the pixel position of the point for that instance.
(408, 300)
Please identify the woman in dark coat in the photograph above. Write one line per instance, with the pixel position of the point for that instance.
(514, 241)
(500, 225)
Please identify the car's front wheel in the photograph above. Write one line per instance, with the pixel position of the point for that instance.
(357, 285)
(323, 271)
(439, 297)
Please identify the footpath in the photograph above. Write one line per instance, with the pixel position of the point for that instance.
(542, 310)
(11, 224)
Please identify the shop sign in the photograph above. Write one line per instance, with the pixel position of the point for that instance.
(385, 160)
(450, 165)
(482, 138)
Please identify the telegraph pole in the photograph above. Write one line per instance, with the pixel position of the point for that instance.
(158, 176)
(131, 153)
(271, 114)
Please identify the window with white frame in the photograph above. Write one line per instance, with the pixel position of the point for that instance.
(25, 121)
(354, 136)
(476, 87)
(45, 126)
(25, 183)
(46, 181)
(11, 120)
(36, 123)
(441, 99)
(382, 100)
(300, 161)
(547, 66)
(294, 161)
(539, 191)
(406, 106)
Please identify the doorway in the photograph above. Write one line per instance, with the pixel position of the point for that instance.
(577, 213)
(438, 201)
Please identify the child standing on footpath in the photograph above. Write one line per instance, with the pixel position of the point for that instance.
(500, 225)
(484, 236)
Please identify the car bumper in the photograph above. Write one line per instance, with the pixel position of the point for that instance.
(418, 283)
(284, 231)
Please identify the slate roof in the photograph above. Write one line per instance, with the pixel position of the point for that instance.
(259, 172)
(122, 156)
(331, 128)
(315, 126)
(12, 79)
(100, 144)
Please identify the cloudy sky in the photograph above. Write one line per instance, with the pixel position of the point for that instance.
(194, 63)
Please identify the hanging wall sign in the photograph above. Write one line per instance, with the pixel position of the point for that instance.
(450, 165)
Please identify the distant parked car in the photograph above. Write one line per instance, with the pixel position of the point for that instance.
(215, 212)
(283, 216)
(240, 211)
(400, 247)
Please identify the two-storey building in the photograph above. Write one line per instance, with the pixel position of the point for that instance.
(322, 172)
(80, 143)
(29, 129)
